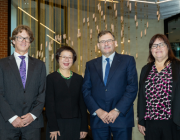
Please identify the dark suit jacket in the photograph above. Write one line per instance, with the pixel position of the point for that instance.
(119, 92)
(14, 99)
(63, 101)
(175, 92)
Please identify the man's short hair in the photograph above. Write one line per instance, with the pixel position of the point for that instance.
(19, 29)
(103, 33)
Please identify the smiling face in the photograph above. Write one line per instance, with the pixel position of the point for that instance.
(21, 47)
(107, 48)
(65, 60)
(160, 53)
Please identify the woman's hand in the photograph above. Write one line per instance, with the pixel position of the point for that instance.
(83, 135)
(141, 129)
(53, 135)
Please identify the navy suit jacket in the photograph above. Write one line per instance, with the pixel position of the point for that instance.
(119, 92)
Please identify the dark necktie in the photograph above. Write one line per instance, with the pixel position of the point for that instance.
(22, 70)
(107, 71)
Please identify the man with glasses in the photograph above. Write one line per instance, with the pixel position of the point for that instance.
(109, 89)
(22, 90)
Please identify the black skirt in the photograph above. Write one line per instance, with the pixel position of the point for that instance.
(69, 129)
(161, 130)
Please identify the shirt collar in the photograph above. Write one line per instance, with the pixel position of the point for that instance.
(110, 57)
(16, 55)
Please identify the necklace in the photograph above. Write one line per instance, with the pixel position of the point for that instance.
(66, 77)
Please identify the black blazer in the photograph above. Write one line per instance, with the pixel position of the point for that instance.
(63, 101)
(14, 99)
(175, 93)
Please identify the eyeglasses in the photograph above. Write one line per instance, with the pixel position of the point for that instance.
(109, 41)
(20, 38)
(65, 57)
(161, 45)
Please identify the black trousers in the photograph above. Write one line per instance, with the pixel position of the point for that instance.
(24, 133)
(161, 130)
(69, 129)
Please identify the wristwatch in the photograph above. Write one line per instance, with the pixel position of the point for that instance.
(117, 110)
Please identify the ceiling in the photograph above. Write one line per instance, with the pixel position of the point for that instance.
(167, 9)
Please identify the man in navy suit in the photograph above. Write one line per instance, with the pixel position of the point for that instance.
(109, 89)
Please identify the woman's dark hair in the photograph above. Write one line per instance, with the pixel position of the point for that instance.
(171, 56)
(65, 48)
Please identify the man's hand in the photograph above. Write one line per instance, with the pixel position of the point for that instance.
(141, 129)
(112, 115)
(27, 119)
(18, 122)
(53, 135)
(102, 115)
(83, 135)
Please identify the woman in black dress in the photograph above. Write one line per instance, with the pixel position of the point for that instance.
(65, 108)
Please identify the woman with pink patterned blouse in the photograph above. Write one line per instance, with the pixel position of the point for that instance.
(159, 93)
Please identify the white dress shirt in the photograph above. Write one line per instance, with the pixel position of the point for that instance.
(18, 61)
(104, 62)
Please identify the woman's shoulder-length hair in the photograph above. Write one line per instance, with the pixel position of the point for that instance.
(171, 56)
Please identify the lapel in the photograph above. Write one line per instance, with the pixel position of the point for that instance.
(175, 72)
(14, 68)
(98, 66)
(30, 70)
(149, 67)
(147, 70)
(114, 66)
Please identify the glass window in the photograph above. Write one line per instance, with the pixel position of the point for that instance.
(47, 20)
(173, 33)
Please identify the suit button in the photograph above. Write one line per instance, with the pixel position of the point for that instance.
(106, 90)
(24, 103)
(24, 91)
